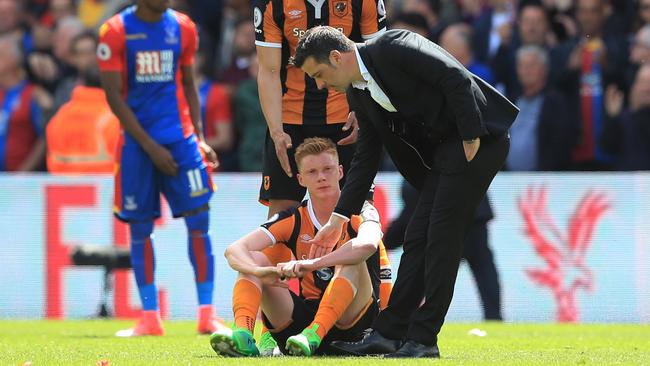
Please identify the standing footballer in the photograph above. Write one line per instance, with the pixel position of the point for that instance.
(145, 55)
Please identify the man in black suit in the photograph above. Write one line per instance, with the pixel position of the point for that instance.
(446, 130)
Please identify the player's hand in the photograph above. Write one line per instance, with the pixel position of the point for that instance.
(209, 154)
(326, 238)
(162, 159)
(471, 148)
(354, 125)
(270, 276)
(296, 268)
(282, 142)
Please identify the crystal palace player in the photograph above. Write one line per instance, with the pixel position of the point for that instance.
(145, 55)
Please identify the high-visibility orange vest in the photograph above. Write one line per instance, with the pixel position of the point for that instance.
(82, 136)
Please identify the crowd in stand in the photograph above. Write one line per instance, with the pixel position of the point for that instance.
(579, 70)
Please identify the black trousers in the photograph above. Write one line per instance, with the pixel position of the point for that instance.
(433, 244)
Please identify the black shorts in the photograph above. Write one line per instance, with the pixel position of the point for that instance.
(276, 184)
(303, 314)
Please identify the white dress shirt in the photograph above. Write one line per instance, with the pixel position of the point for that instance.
(369, 83)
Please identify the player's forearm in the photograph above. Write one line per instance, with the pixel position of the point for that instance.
(129, 121)
(354, 252)
(270, 91)
(239, 259)
(194, 105)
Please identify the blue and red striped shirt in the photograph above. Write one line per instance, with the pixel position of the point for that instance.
(21, 125)
(150, 56)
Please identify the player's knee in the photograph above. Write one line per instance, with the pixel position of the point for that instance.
(350, 272)
(141, 230)
(199, 222)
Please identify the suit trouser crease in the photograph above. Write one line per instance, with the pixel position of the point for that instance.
(433, 246)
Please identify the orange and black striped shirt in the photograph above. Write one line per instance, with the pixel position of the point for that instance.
(280, 23)
(292, 226)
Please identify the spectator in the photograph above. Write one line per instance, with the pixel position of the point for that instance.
(628, 131)
(82, 136)
(92, 13)
(233, 12)
(543, 135)
(11, 23)
(82, 56)
(66, 30)
(250, 122)
(457, 40)
(428, 10)
(493, 28)
(532, 29)
(585, 65)
(414, 22)
(61, 9)
(216, 116)
(243, 48)
(208, 15)
(639, 53)
(48, 69)
(562, 21)
(643, 13)
(22, 147)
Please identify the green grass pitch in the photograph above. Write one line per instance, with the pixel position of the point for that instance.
(86, 342)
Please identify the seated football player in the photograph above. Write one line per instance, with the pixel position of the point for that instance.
(339, 292)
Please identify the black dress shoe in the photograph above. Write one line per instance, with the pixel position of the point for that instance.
(372, 343)
(412, 349)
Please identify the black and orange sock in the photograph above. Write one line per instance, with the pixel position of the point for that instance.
(338, 296)
(246, 299)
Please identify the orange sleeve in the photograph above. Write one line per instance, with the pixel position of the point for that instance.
(189, 39)
(279, 253)
(267, 31)
(373, 18)
(110, 49)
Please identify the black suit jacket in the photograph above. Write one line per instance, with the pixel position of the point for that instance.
(438, 102)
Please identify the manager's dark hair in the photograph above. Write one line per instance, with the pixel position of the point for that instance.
(318, 42)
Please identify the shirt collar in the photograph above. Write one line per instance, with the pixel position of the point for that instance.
(364, 72)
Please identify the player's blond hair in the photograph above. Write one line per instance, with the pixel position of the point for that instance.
(315, 146)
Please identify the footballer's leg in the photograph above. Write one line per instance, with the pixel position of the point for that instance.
(247, 298)
(278, 253)
(137, 202)
(188, 194)
(345, 300)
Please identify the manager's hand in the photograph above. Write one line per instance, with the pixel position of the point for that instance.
(326, 238)
(350, 123)
(471, 148)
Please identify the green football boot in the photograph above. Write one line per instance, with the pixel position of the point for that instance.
(304, 344)
(268, 346)
(235, 342)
